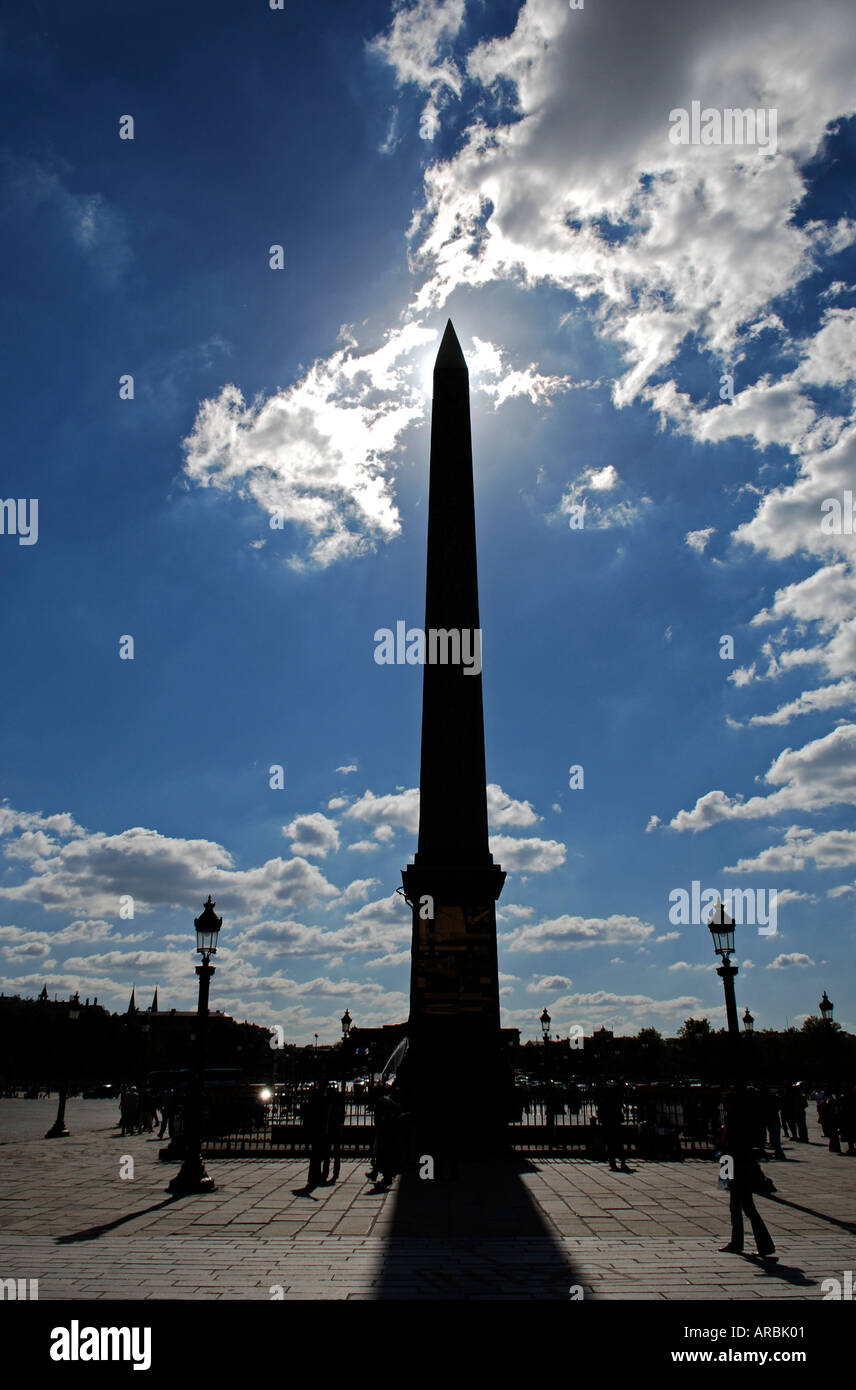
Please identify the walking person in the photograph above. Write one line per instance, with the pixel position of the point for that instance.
(788, 1113)
(167, 1109)
(316, 1117)
(610, 1114)
(772, 1124)
(335, 1127)
(129, 1109)
(738, 1145)
(848, 1120)
(800, 1105)
(833, 1122)
(385, 1150)
(148, 1110)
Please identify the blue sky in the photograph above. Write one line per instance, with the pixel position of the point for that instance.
(663, 335)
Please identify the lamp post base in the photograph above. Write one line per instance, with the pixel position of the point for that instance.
(192, 1177)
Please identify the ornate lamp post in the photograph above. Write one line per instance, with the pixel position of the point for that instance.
(722, 930)
(58, 1128)
(192, 1176)
(826, 1006)
(748, 1022)
(347, 1022)
(545, 1021)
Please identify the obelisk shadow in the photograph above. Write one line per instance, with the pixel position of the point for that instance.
(477, 1233)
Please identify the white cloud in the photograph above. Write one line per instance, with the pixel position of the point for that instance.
(392, 958)
(414, 47)
(548, 983)
(785, 962)
(489, 362)
(359, 889)
(822, 773)
(792, 895)
(617, 1010)
(599, 516)
(561, 932)
(697, 540)
(92, 871)
(397, 810)
(400, 810)
(532, 856)
(800, 849)
(603, 479)
(504, 810)
(809, 702)
(313, 833)
(708, 240)
(317, 454)
(742, 675)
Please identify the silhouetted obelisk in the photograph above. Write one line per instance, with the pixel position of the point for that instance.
(454, 1063)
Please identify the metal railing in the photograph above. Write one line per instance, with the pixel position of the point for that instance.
(656, 1122)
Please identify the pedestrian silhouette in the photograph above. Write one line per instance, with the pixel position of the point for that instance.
(772, 1123)
(129, 1109)
(610, 1114)
(788, 1113)
(385, 1156)
(316, 1118)
(167, 1109)
(335, 1127)
(148, 1110)
(799, 1108)
(746, 1176)
(832, 1120)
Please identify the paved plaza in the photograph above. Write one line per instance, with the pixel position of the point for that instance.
(532, 1228)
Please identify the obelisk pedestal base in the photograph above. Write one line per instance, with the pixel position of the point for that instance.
(456, 1086)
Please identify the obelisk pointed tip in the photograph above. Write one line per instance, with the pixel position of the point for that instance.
(450, 356)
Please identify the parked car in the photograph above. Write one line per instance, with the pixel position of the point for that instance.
(106, 1091)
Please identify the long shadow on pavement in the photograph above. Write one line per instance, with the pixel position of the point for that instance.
(93, 1232)
(477, 1235)
(848, 1226)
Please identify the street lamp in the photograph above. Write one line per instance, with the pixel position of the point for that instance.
(722, 930)
(347, 1023)
(58, 1128)
(192, 1176)
(826, 1006)
(748, 1022)
(545, 1022)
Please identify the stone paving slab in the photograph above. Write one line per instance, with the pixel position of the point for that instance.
(533, 1230)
